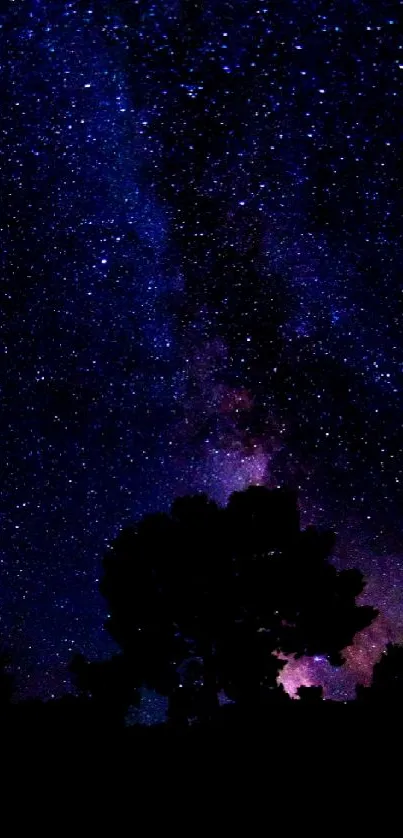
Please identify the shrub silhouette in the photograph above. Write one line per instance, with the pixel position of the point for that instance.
(6, 680)
(310, 695)
(387, 679)
(203, 599)
(107, 684)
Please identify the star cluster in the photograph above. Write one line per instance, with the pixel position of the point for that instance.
(201, 254)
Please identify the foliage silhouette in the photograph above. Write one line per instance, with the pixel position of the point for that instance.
(6, 680)
(203, 599)
(310, 695)
(107, 684)
(387, 679)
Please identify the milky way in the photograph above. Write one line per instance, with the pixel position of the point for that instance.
(201, 253)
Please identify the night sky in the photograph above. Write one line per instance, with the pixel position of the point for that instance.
(201, 245)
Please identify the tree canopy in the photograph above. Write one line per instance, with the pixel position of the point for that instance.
(202, 600)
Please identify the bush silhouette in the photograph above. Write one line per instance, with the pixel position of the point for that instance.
(310, 695)
(387, 679)
(203, 599)
(6, 680)
(107, 684)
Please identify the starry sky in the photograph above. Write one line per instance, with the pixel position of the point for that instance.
(201, 246)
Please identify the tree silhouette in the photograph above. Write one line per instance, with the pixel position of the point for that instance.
(6, 680)
(310, 695)
(387, 679)
(203, 599)
(108, 684)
